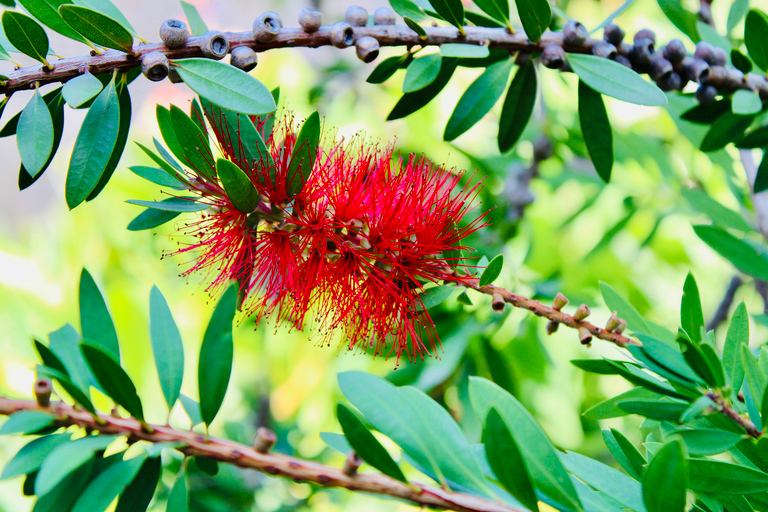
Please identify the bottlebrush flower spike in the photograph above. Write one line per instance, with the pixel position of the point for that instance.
(351, 250)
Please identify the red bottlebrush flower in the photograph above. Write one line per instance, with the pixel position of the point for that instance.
(354, 247)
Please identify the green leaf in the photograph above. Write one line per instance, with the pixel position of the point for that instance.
(171, 170)
(81, 89)
(408, 8)
(386, 68)
(478, 99)
(507, 461)
(610, 408)
(238, 186)
(624, 452)
(166, 346)
(26, 35)
(303, 155)
(103, 489)
(34, 135)
(756, 378)
(451, 11)
(26, 422)
(197, 26)
(336, 442)
(493, 271)
(666, 356)
(496, 9)
(95, 320)
(107, 8)
(138, 494)
(518, 106)
(192, 143)
(66, 458)
(94, 145)
(614, 484)
(681, 17)
(424, 430)
(719, 214)
(216, 354)
(421, 72)
(463, 298)
(151, 218)
(366, 445)
(624, 309)
(225, 85)
(709, 441)
(735, 339)
(746, 102)
(74, 390)
(173, 204)
(756, 37)
(413, 101)
(546, 470)
(192, 409)
(46, 11)
(741, 61)
(596, 130)
(97, 27)
(665, 480)
(535, 16)
(434, 296)
(761, 179)
(691, 315)
(208, 466)
(655, 409)
(411, 24)
(464, 51)
(113, 379)
(28, 459)
(716, 477)
(169, 137)
(736, 13)
(613, 79)
(156, 176)
(727, 128)
(744, 256)
(178, 500)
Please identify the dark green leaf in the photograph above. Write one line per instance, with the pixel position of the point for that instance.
(746, 102)
(451, 11)
(707, 113)
(743, 256)
(94, 145)
(366, 445)
(666, 356)
(26, 35)
(411, 24)
(103, 489)
(728, 128)
(737, 336)
(717, 477)
(113, 379)
(691, 315)
(464, 51)
(192, 409)
(216, 354)
(238, 186)
(599, 366)
(408, 8)
(178, 500)
(385, 69)
(741, 61)
(208, 466)
(97, 27)
(304, 155)
(761, 179)
(197, 115)
(655, 409)
(681, 17)
(756, 37)
(169, 137)
(610, 408)
(719, 214)
(493, 271)
(81, 89)
(151, 218)
(107, 8)
(596, 130)
(665, 480)
(172, 171)
(709, 441)
(613, 79)
(434, 296)
(478, 99)
(195, 152)
(413, 101)
(34, 135)
(421, 72)
(463, 298)
(736, 13)
(29, 458)
(518, 106)
(697, 359)
(535, 16)
(624, 452)
(172, 204)
(225, 85)
(26, 422)
(95, 319)
(166, 346)
(507, 462)
(481, 20)
(157, 176)
(496, 9)
(46, 11)
(624, 309)
(715, 365)
(138, 494)
(66, 458)
(197, 26)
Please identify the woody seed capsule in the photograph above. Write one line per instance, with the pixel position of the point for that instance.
(356, 16)
(574, 33)
(553, 56)
(154, 66)
(267, 27)
(342, 35)
(384, 16)
(214, 45)
(605, 50)
(174, 33)
(310, 20)
(582, 313)
(43, 390)
(560, 302)
(243, 58)
(367, 49)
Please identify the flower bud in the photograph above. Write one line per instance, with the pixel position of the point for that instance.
(582, 313)
(605, 50)
(621, 327)
(612, 323)
(560, 302)
(614, 34)
(264, 441)
(154, 66)
(174, 33)
(574, 33)
(310, 20)
(267, 27)
(675, 51)
(214, 45)
(243, 58)
(356, 16)
(384, 16)
(553, 56)
(43, 388)
(342, 35)
(367, 49)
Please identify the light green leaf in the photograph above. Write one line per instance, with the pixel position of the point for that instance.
(178, 500)
(67, 458)
(744, 256)
(173, 204)
(717, 477)
(719, 214)
(614, 484)
(197, 26)
(97, 27)
(34, 135)
(464, 51)
(26, 422)
(434, 296)
(613, 79)
(709, 441)
(623, 309)
(216, 355)
(665, 480)
(421, 72)
(167, 346)
(737, 336)
(493, 271)
(157, 176)
(81, 89)
(28, 459)
(745, 102)
(736, 13)
(103, 489)
(192, 409)
(596, 130)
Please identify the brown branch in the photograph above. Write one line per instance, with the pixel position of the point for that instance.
(244, 456)
(722, 310)
(731, 413)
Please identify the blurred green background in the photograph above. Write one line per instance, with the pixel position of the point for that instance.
(634, 234)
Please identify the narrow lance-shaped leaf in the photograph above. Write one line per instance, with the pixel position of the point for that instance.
(66, 458)
(166, 346)
(421, 72)
(95, 320)
(28, 459)
(26, 35)
(113, 380)
(451, 11)
(197, 26)
(105, 487)
(613, 79)
(178, 500)
(97, 27)
(35, 135)
(304, 155)
(193, 145)
(496, 9)
(691, 315)
(173, 204)
(518, 106)
(756, 37)
(138, 494)
(665, 480)
(736, 337)
(493, 271)
(624, 452)
(46, 11)
(535, 16)
(728, 128)
(413, 101)
(151, 218)
(238, 186)
(741, 254)
(26, 422)
(107, 8)
(761, 178)
(718, 477)
(596, 130)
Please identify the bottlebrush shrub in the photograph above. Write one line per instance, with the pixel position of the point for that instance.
(343, 233)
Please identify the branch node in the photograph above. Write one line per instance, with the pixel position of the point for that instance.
(264, 441)
(352, 463)
(498, 303)
(43, 389)
(560, 302)
(582, 313)
(585, 337)
(613, 323)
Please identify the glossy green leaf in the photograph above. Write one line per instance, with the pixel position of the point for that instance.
(496, 9)
(518, 106)
(304, 155)
(97, 27)
(719, 214)
(761, 179)
(493, 271)
(434, 296)
(46, 11)
(478, 99)
(28, 459)
(107, 8)
(408, 8)
(624, 452)
(225, 85)
(613, 79)
(81, 89)
(655, 409)
(665, 480)
(507, 461)
(103, 489)
(745, 102)
(95, 320)
(166, 346)
(34, 135)
(463, 298)
(197, 26)
(413, 101)
(337, 442)
(666, 356)
(596, 130)
(691, 315)
(700, 407)
(681, 17)
(26, 422)
(178, 499)
(709, 441)
(192, 409)
(386, 68)
(65, 344)
(717, 477)
(170, 138)
(735, 339)
(535, 16)
(451, 11)
(151, 218)
(173, 204)
(421, 72)
(164, 165)
(216, 355)
(138, 494)
(624, 309)
(366, 445)
(756, 378)
(756, 37)
(26, 35)
(715, 365)
(544, 467)
(742, 255)
(156, 176)
(411, 24)
(113, 379)
(464, 51)
(94, 145)
(193, 144)
(727, 128)
(614, 484)
(67, 458)
(238, 186)
(610, 408)
(198, 116)
(208, 466)
(741, 61)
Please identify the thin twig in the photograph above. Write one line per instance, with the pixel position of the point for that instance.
(722, 310)
(731, 413)
(244, 456)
